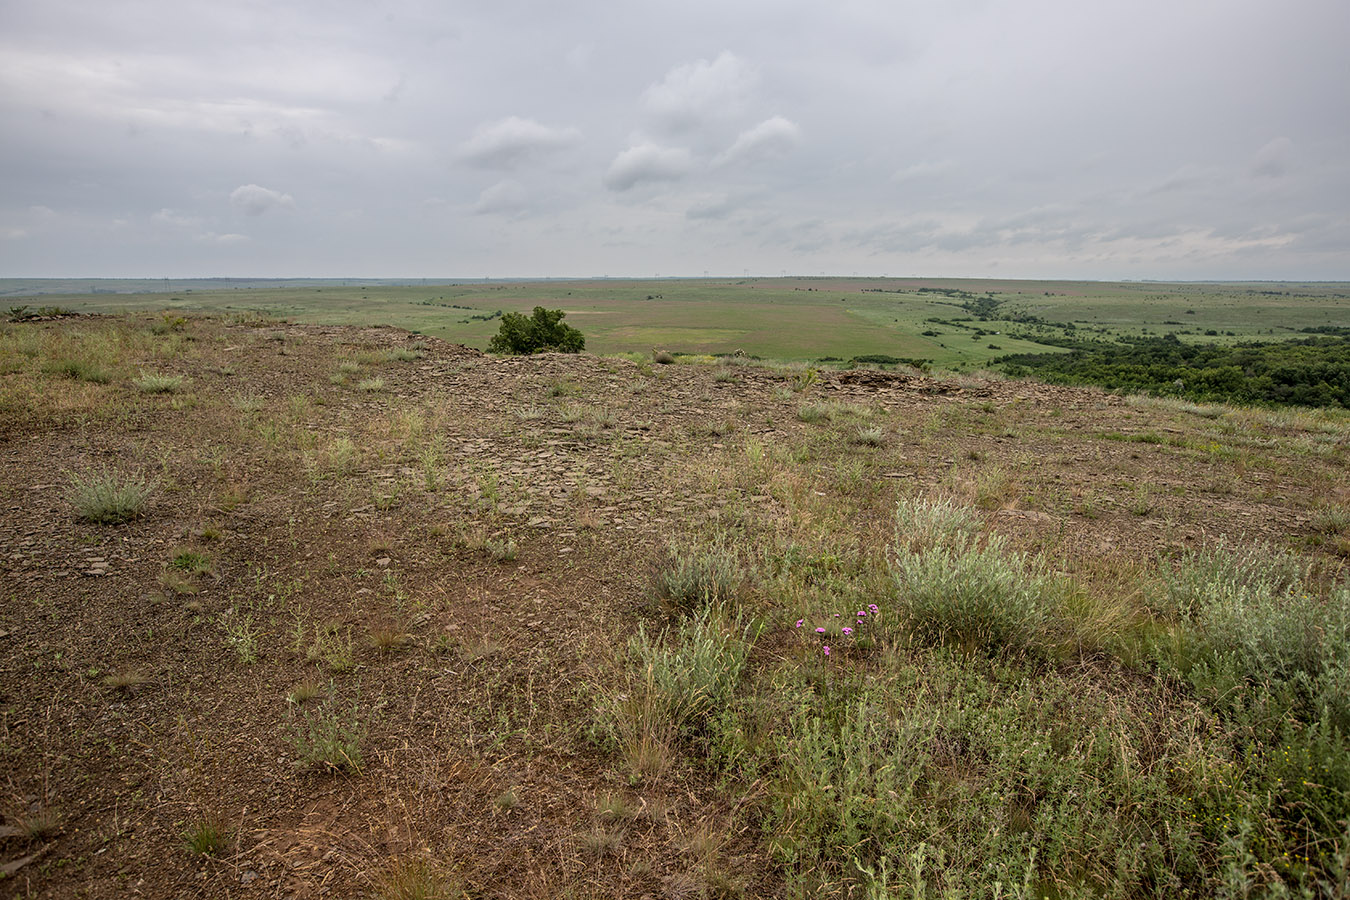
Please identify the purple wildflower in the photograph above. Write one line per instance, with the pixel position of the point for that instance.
(848, 631)
(800, 622)
(820, 631)
(827, 650)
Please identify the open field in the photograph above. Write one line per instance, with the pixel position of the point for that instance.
(300, 610)
(780, 318)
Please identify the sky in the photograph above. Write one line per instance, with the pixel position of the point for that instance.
(1112, 139)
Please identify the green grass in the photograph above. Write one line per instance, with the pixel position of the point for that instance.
(786, 318)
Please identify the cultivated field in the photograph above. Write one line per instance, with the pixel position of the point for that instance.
(310, 610)
(777, 318)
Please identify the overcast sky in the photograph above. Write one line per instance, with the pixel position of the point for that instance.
(1182, 139)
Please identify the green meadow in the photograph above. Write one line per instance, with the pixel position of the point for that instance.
(781, 318)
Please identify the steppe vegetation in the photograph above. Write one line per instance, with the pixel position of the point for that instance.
(352, 612)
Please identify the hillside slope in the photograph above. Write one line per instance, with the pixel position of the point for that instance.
(389, 616)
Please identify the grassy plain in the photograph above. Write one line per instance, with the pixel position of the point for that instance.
(330, 611)
(778, 318)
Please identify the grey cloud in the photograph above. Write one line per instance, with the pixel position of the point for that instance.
(509, 142)
(502, 197)
(1274, 160)
(254, 200)
(929, 138)
(211, 237)
(771, 137)
(647, 162)
(692, 92)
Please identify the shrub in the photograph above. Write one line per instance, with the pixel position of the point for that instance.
(1246, 617)
(541, 331)
(690, 579)
(978, 595)
(108, 497)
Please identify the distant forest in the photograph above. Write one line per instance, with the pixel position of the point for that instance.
(1312, 371)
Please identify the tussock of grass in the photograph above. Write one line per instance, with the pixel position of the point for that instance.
(206, 837)
(675, 679)
(415, 878)
(149, 383)
(108, 497)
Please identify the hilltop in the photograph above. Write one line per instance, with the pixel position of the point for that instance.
(395, 612)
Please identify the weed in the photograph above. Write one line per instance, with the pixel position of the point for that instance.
(328, 740)
(563, 388)
(814, 413)
(305, 691)
(663, 357)
(124, 681)
(248, 403)
(177, 582)
(506, 800)
(599, 842)
(42, 824)
(149, 383)
(869, 437)
(501, 550)
(370, 385)
(241, 635)
(332, 647)
(108, 497)
(415, 878)
(168, 324)
(388, 638)
(676, 680)
(206, 837)
(191, 562)
(1331, 520)
(613, 808)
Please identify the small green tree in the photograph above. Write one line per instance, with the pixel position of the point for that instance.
(541, 331)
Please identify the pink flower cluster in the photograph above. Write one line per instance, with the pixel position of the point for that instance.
(847, 631)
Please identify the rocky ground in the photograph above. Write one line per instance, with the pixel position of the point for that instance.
(367, 534)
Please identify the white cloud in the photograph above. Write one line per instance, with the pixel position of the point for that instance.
(502, 197)
(647, 162)
(509, 142)
(254, 200)
(698, 90)
(769, 138)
